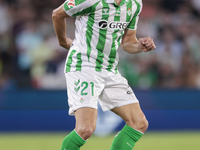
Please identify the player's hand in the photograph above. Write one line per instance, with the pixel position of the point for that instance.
(67, 44)
(146, 44)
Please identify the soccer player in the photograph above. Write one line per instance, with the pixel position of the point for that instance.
(91, 67)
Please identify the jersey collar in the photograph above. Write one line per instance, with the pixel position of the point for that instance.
(109, 1)
(112, 1)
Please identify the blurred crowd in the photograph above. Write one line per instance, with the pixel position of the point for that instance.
(30, 56)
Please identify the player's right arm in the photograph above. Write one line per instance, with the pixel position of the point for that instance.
(59, 23)
(70, 8)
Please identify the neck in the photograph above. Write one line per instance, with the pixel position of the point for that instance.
(118, 1)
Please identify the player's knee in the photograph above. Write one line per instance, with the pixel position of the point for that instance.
(144, 125)
(140, 124)
(85, 132)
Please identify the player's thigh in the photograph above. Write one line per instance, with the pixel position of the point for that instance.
(132, 115)
(86, 117)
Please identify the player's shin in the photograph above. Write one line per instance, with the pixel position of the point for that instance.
(72, 141)
(126, 139)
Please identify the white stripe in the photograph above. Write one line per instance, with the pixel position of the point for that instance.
(109, 38)
(95, 36)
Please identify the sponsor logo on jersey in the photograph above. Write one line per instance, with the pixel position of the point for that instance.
(70, 3)
(129, 92)
(103, 24)
(105, 11)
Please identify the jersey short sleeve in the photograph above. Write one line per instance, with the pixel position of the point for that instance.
(78, 7)
(133, 23)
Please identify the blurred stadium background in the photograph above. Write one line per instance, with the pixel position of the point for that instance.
(33, 98)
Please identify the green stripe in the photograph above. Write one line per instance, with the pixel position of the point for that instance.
(116, 70)
(69, 61)
(129, 11)
(102, 38)
(113, 51)
(133, 21)
(89, 31)
(79, 62)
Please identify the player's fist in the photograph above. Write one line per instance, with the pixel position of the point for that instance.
(146, 44)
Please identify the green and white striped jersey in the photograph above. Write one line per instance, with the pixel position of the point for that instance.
(100, 25)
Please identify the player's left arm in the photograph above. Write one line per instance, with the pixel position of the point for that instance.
(132, 45)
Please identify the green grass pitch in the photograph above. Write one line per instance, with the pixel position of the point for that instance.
(189, 140)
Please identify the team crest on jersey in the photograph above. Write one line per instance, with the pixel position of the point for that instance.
(129, 11)
(70, 3)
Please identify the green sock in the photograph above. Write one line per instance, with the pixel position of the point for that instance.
(125, 139)
(72, 141)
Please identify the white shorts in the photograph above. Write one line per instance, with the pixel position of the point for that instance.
(86, 88)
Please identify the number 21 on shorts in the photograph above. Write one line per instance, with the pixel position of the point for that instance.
(82, 86)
